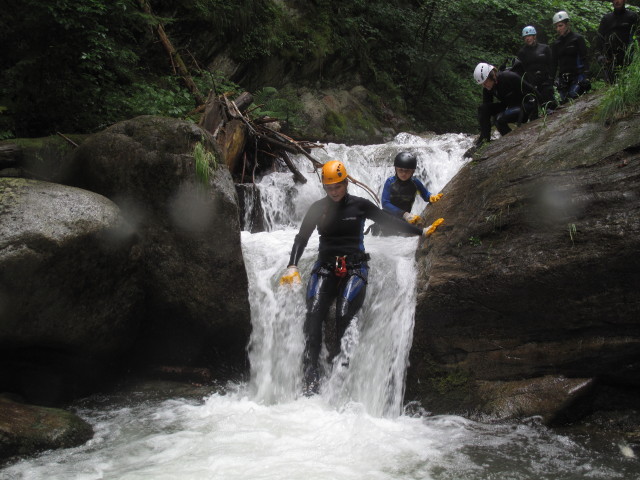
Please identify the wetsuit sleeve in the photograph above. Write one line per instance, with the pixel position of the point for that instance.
(549, 56)
(424, 193)
(387, 206)
(307, 227)
(383, 218)
(487, 95)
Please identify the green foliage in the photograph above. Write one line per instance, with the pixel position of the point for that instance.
(573, 232)
(62, 58)
(623, 97)
(164, 96)
(79, 65)
(283, 105)
(204, 161)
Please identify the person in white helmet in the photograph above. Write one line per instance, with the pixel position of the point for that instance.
(515, 97)
(537, 62)
(569, 60)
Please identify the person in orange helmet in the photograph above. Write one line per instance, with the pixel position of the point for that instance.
(340, 272)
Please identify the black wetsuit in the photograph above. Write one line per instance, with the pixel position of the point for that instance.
(615, 34)
(537, 61)
(571, 64)
(516, 100)
(341, 228)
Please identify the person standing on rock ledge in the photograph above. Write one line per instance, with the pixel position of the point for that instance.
(341, 269)
(537, 62)
(569, 60)
(615, 34)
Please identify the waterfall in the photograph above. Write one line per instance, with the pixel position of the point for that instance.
(354, 429)
(377, 342)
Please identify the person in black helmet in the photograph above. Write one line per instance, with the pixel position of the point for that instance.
(615, 35)
(340, 273)
(400, 190)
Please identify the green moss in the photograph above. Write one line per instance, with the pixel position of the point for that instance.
(335, 124)
(364, 123)
(443, 390)
(448, 382)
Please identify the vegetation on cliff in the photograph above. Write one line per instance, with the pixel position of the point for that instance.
(78, 66)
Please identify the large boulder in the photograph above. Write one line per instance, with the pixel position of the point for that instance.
(68, 288)
(194, 279)
(28, 429)
(48, 158)
(535, 273)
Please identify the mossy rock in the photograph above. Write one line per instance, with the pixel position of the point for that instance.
(28, 429)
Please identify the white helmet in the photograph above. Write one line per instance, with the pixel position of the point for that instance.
(526, 31)
(560, 16)
(482, 71)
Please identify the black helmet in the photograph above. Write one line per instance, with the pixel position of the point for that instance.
(406, 160)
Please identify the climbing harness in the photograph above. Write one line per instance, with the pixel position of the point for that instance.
(341, 267)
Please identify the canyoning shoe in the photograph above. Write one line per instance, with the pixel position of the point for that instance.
(311, 388)
(311, 381)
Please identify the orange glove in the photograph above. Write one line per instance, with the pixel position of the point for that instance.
(435, 198)
(410, 218)
(291, 276)
(432, 228)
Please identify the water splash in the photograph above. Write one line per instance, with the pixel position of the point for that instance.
(370, 369)
(267, 432)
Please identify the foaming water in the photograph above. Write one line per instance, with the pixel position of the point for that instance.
(376, 345)
(356, 428)
(231, 437)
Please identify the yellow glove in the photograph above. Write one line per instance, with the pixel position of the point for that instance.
(291, 276)
(412, 219)
(435, 198)
(432, 228)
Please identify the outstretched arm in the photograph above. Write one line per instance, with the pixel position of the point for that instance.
(424, 193)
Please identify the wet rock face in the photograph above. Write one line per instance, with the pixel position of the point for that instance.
(68, 288)
(536, 270)
(149, 267)
(195, 285)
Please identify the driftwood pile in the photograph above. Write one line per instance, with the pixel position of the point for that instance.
(240, 138)
(248, 144)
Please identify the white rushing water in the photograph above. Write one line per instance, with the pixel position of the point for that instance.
(355, 429)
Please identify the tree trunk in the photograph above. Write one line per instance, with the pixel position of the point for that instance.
(176, 59)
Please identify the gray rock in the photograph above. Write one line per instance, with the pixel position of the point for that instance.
(28, 429)
(535, 271)
(195, 283)
(68, 286)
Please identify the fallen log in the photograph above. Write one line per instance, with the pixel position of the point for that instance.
(297, 176)
(222, 118)
(10, 155)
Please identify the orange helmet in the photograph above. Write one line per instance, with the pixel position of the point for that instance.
(333, 171)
